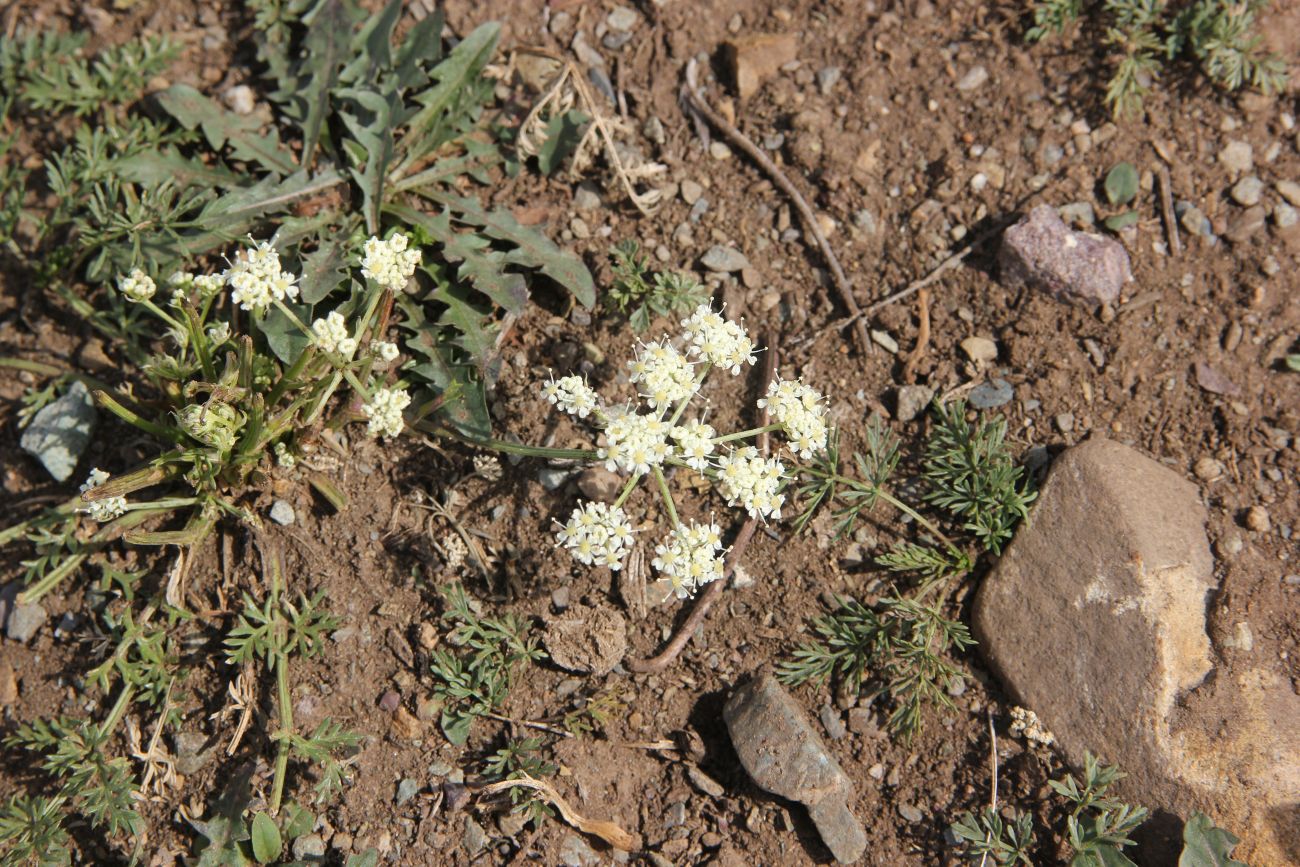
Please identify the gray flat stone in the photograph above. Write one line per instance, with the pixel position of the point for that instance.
(61, 431)
(724, 259)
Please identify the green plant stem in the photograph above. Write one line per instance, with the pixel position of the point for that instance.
(505, 447)
(286, 729)
(752, 432)
(294, 371)
(107, 401)
(163, 315)
(881, 493)
(628, 488)
(200, 341)
(119, 708)
(293, 317)
(668, 498)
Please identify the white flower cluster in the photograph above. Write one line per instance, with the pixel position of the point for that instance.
(1025, 722)
(718, 341)
(635, 443)
(597, 534)
(572, 395)
(799, 409)
(663, 375)
(332, 334)
(385, 411)
(690, 557)
(284, 457)
(384, 351)
(106, 509)
(752, 482)
(256, 278)
(137, 286)
(218, 333)
(389, 263)
(694, 443)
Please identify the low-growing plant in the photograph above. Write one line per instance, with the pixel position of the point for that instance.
(970, 477)
(640, 293)
(518, 759)
(1145, 36)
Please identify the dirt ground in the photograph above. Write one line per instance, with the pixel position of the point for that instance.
(887, 150)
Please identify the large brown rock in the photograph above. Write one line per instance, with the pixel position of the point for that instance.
(1095, 619)
(1042, 252)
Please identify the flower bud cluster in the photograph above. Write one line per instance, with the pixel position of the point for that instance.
(332, 334)
(752, 482)
(690, 558)
(718, 341)
(389, 263)
(102, 510)
(597, 534)
(256, 279)
(800, 410)
(572, 395)
(137, 286)
(385, 411)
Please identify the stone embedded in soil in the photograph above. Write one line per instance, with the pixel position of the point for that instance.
(309, 847)
(282, 513)
(192, 752)
(1042, 252)
(60, 432)
(586, 197)
(576, 852)
(725, 260)
(598, 483)
(973, 79)
(752, 60)
(1246, 225)
(587, 640)
(1290, 191)
(777, 745)
(911, 401)
(21, 620)
(475, 838)
(1238, 157)
(1095, 618)
(1247, 191)
(992, 394)
(980, 350)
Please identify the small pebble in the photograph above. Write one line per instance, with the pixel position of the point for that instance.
(390, 701)
(1207, 469)
(1065, 422)
(406, 790)
(980, 350)
(1257, 519)
(586, 197)
(832, 722)
(885, 340)
(1247, 191)
(240, 99)
(719, 151)
(992, 394)
(691, 191)
(910, 813)
(1290, 191)
(622, 18)
(579, 228)
(827, 78)
(973, 79)
(282, 513)
(1237, 157)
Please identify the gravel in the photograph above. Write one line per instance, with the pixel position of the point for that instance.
(586, 197)
(724, 260)
(973, 79)
(60, 432)
(1237, 157)
(622, 18)
(1247, 191)
(992, 394)
(691, 191)
(282, 513)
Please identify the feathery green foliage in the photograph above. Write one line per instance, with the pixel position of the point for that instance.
(640, 293)
(518, 759)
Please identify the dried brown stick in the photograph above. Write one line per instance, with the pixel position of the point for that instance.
(711, 593)
(922, 336)
(842, 285)
(1167, 211)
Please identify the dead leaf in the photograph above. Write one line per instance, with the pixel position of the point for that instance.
(1214, 382)
(607, 831)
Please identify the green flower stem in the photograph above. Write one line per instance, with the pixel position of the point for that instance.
(200, 340)
(836, 478)
(119, 708)
(668, 498)
(744, 434)
(628, 488)
(106, 400)
(295, 370)
(286, 728)
(506, 447)
(163, 315)
(699, 380)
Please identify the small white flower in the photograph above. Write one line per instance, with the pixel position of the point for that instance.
(694, 443)
(718, 341)
(1026, 723)
(801, 411)
(389, 263)
(572, 395)
(752, 482)
(330, 331)
(383, 350)
(635, 443)
(663, 375)
(284, 457)
(106, 509)
(690, 558)
(385, 411)
(256, 279)
(209, 284)
(181, 282)
(597, 534)
(218, 333)
(137, 286)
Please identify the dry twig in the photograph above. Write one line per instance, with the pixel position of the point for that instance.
(711, 593)
(922, 336)
(993, 760)
(605, 830)
(1167, 211)
(842, 285)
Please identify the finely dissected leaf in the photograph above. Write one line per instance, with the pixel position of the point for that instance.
(266, 839)
(1207, 845)
(325, 48)
(479, 265)
(563, 134)
(221, 127)
(531, 248)
(323, 270)
(460, 87)
(1121, 184)
(153, 169)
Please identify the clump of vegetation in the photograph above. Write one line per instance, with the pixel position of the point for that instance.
(516, 760)
(1096, 826)
(972, 480)
(1219, 36)
(641, 293)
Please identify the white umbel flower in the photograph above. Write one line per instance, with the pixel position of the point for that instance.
(209, 284)
(137, 286)
(383, 350)
(1025, 722)
(689, 558)
(385, 411)
(572, 395)
(718, 341)
(752, 482)
(662, 374)
(800, 410)
(635, 443)
(256, 279)
(181, 282)
(597, 534)
(389, 263)
(106, 509)
(331, 331)
(694, 443)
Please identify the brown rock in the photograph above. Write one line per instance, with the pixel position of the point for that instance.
(779, 748)
(1042, 252)
(1246, 225)
(754, 59)
(587, 640)
(598, 483)
(8, 681)
(1095, 619)
(404, 725)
